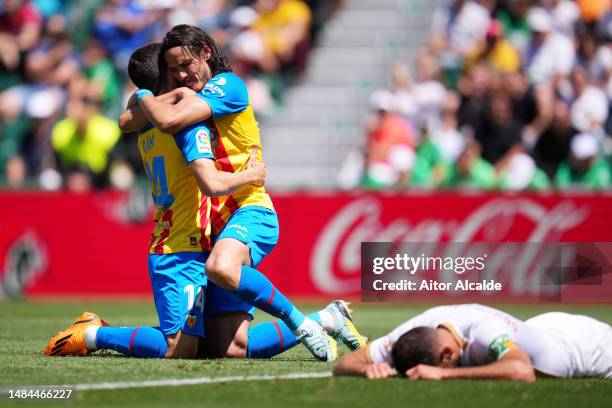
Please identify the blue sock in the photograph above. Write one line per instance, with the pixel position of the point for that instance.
(139, 341)
(269, 339)
(255, 289)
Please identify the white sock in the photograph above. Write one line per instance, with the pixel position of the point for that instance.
(327, 319)
(90, 337)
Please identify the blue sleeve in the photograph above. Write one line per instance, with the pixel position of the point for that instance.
(194, 142)
(226, 93)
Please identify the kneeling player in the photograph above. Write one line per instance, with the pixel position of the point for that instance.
(176, 268)
(479, 342)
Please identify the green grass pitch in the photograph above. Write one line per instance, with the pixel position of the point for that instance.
(26, 327)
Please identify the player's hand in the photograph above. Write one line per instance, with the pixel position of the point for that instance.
(425, 372)
(183, 92)
(257, 168)
(379, 371)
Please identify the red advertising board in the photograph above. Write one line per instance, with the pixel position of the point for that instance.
(68, 244)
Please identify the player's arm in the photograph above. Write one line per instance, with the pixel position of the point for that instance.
(134, 118)
(222, 95)
(170, 118)
(515, 365)
(214, 183)
(358, 363)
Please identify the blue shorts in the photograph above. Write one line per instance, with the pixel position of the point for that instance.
(179, 287)
(257, 227)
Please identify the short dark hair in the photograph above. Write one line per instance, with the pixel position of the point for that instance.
(417, 346)
(194, 39)
(143, 69)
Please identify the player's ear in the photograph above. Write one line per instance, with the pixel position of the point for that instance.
(206, 53)
(446, 357)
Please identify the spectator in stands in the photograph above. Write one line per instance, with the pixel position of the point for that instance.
(589, 109)
(20, 29)
(457, 31)
(564, 13)
(513, 16)
(284, 26)
(496, 51)
(390, 146)
(419, 100)
(122, 26)
(83, 141)
(584, 167)
(498, 132)
(554, 144)
(593, 10)
(532, 105)
(550, 55)
(470, 170)
(521, 173)
(101, 73)
(439, 149)
(459, 27)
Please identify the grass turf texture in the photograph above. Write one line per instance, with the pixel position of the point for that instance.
(26, 327)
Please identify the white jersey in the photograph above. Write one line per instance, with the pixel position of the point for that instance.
(558, 344)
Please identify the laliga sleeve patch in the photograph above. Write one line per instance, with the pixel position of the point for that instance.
(203, 142)
(500, 346)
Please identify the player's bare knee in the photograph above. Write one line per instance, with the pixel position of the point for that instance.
(171, 343)
(223, 271)
(236, 350)
(238, 346)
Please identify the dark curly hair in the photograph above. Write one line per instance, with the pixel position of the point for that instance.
(417, 346)
(194, 39)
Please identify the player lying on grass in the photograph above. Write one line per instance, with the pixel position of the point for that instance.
(245, 226)
(176, 261)
(479, 342)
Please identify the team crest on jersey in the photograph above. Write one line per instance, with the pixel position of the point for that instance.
(202, 142)
(191, 321)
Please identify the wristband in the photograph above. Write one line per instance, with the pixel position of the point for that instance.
(141, 93)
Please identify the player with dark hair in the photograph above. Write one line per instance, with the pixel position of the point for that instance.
(479, 342)
(180, 242)
(178, 278)
(244, 223)
(144, 70)
(418, 346)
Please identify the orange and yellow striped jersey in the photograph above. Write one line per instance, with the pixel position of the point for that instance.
(182, 212)
(233, 133)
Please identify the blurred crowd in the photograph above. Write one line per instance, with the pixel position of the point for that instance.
(507, 94)
(63, 79)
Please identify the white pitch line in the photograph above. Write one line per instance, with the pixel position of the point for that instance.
(174, 382)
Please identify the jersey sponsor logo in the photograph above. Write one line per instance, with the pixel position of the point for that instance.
(240, 230)
(202, 142)
(214, 89)
(500, 346)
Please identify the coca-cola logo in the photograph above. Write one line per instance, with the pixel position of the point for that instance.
(335, 263)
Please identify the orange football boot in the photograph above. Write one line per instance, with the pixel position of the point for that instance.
(72, 340)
